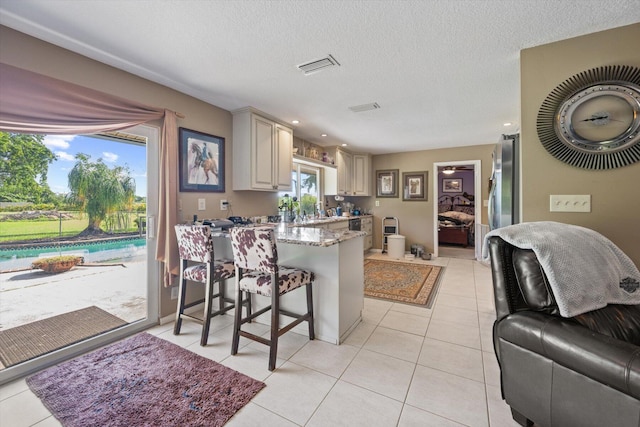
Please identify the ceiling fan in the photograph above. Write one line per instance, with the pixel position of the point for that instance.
(448, 170)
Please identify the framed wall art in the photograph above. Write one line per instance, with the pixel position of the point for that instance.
(415, 186)
(387, 183)
(201, 161)
(452, 185)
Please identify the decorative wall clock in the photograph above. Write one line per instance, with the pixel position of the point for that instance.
(592, 120)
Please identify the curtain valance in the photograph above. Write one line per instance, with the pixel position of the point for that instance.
(35, 103)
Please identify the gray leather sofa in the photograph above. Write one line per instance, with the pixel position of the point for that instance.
(555, 371)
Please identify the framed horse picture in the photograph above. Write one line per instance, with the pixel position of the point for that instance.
(201, 161)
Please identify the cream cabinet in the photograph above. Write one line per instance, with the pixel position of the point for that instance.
(361, 175)
(354, 174)
(338, 225)
(344, 162)
(366, 225)
(262, 152)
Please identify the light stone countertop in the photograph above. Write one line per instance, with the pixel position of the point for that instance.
(307, 236)
(328, 220)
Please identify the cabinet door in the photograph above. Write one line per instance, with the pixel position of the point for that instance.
(263, 153)
(284, 141)
(361, 181)
(345, 166)
(338, 226)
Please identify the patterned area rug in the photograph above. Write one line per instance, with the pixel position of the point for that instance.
(143, 381)
(44, 336)
(400, 281)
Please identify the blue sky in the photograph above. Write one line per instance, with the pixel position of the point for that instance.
(65, 147)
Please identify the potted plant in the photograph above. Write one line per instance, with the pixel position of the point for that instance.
(57, 264)
(290, 208)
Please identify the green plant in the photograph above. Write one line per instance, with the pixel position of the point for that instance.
(101, 192)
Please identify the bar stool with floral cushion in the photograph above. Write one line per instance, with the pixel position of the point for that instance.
(257, 272)
(197, 264)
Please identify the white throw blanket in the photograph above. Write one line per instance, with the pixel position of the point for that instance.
(586, 271)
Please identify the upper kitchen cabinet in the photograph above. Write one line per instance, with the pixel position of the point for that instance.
(354, 171)
(361, 174)
(262, 152)
(344, 161)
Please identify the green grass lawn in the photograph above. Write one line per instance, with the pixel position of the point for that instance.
(11, 231)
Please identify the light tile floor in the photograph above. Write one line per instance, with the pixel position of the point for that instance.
(402, 366)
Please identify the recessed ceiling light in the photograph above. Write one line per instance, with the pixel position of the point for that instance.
(295, 122)
(323, 135)
(344, 145)
(508, 124)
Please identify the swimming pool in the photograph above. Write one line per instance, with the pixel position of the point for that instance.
(98, 251)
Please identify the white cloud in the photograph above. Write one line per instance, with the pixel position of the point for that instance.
(110, 157)
(62, 155)
(58, 141)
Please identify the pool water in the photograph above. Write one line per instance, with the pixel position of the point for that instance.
(100, 251)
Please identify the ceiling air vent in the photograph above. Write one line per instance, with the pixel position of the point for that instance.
(365, 107)
(315, 66)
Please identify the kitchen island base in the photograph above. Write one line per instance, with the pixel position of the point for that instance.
(338, 289)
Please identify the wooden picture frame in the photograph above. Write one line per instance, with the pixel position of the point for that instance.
(200, 172)
(387, 183)
(452, 185)
(414, 186)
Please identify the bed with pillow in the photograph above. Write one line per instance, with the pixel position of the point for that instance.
(456, 220)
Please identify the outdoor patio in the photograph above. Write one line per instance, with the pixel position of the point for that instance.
(30, 295)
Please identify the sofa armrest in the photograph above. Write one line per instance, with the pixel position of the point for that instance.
(607, 360)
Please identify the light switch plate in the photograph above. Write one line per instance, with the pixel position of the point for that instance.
(202, 204)
(570, 203)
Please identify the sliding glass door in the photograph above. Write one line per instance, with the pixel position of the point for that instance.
(99, 216)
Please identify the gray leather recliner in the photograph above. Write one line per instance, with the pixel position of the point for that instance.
(556, 371)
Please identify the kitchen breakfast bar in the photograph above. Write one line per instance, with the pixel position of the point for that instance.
(336, 258)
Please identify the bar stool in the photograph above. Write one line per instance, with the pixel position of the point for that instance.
(257, 272)
(197, 264)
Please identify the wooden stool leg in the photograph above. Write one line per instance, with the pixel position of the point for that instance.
(207, 313)
(182, 290)
(221, 289)
(275, 323)
(237, 320)
(248, 305)
(312, 333)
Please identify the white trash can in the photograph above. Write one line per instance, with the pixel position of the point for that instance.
(395, 246)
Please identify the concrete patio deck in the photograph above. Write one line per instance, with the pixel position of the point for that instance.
(27, 296)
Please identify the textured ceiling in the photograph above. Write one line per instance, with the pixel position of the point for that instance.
(445, 72)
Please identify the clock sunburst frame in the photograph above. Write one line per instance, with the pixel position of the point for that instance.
(601, 155)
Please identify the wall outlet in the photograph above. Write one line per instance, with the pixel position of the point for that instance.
(202, 204)
(223, 205)
(174, 292)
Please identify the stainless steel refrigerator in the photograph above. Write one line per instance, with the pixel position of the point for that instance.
(504, 200)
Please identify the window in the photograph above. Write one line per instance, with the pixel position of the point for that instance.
(305, 183)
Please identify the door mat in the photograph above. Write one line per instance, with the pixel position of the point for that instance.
(143, 381)
(400, 281)
(34, 339)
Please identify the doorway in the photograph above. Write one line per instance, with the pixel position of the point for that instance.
(457, 207)
(112, 284)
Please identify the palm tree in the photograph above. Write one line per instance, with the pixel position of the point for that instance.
(100, 191)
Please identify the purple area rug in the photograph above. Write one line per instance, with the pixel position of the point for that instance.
(143, 381)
